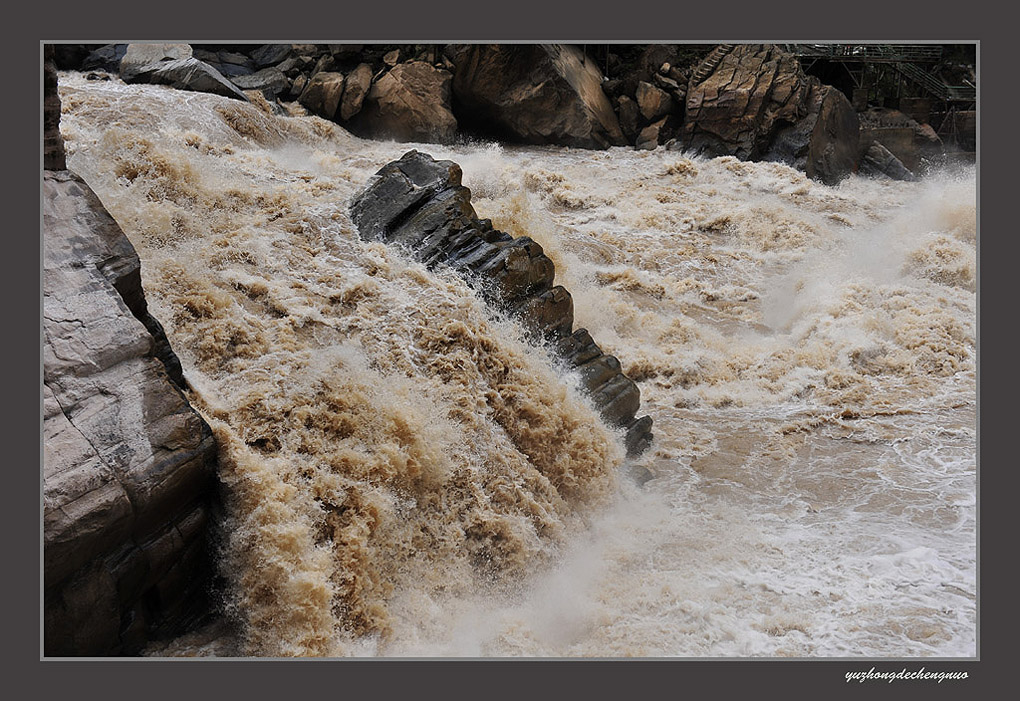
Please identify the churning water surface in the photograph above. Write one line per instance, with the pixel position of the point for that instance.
(407, 476)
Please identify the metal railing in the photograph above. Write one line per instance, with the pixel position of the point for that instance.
(887, 53)
(903, 57)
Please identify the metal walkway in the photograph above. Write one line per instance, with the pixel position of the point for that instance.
(906, 59)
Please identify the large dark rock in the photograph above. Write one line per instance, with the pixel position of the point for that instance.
(754, 102)
(419, 204)
(105, 58)
(270, 54)
(833, 150)
(230, 64)
(535, 94)
(128, 466)
(139, 57)
(270, 81)
(145, 65)
(823, 143)
(411, 102)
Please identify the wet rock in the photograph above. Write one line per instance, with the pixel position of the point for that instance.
(128, 466)
(734, 108)
(270, 81)
(656, 134)
(186, 74)
(322, 94)
(139, 57)
(536, 94)
(419, 204)
(270, 54)
(231, 64)
(652, 101)
(639, 437)
(833, 150)
(629, 115)
(105, 58)
(548, 314)
(289, 67)
(879, 161)
(755, 102)
(409, 103)
(359, 82)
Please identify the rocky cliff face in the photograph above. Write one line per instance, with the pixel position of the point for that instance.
(537, 94)
(752, 101)
(419, 203)
(128, 466)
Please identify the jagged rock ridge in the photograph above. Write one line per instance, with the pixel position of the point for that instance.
(419, 203)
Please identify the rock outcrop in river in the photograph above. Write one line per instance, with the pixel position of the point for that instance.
(419, 203)
(128, 471)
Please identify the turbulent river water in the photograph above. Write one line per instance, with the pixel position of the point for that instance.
(406, 476)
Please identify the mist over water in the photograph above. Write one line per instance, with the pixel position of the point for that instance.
(407, 476)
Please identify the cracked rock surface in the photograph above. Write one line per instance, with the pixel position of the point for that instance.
(419, 204)
(127, 463)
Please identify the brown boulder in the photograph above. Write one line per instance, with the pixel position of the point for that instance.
(652, 101)
(735, 110)
(359, 82)
(322, 94)
(655, 134)
(536, 94)
(409, 103)
(756, 103)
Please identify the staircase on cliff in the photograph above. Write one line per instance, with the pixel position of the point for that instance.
(708, 65)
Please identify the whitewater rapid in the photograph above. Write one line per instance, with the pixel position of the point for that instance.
(407, 476)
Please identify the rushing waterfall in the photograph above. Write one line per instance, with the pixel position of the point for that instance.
(406, 473)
